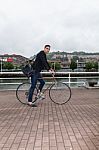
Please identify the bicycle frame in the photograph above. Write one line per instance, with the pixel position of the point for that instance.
(48, 87)
(52, 89)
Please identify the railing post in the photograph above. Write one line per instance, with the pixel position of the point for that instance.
(69, 79)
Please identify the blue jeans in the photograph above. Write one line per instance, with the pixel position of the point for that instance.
(34, 78)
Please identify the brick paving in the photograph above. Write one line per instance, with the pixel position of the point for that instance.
(73, 126)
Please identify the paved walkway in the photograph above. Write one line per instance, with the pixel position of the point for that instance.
(73, 126)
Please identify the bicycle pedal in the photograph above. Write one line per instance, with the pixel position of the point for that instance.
(41, 98)
(36, 98)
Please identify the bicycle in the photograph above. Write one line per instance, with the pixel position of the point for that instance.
(59, 92)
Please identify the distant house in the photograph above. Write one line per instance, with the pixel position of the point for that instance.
(15, 59)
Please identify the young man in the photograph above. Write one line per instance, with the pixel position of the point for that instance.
(39, 64)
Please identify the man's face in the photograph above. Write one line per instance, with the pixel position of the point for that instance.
(46, 50)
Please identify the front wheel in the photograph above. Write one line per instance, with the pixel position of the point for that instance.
(60, 93)
(22, 92)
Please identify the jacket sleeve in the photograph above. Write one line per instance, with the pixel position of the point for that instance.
(44, 61)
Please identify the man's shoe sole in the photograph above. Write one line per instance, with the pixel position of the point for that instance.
(32, 105)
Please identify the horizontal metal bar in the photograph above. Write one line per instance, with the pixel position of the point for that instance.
(45, 72)
(97, 77)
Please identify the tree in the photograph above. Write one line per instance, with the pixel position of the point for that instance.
(75, 58)
(55, 65)
(96, 65)
(8, 65)
(89, 66)
(73, 64)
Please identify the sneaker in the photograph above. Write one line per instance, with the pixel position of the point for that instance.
(42, 96)
(31, 104)
(34, 105)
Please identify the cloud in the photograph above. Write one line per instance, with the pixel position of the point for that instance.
(27, 25)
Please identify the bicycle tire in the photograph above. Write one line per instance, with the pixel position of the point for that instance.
(22, 92)
(60, 93)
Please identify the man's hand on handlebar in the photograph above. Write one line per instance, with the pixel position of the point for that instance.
(52, 71)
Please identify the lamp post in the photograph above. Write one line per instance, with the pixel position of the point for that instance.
(77, 65)
(1, 64)
(54, 65)
(77, 71)
(98, 71)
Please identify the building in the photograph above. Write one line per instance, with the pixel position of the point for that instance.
(14, 59)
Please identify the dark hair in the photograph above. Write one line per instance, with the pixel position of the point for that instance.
(47, 46)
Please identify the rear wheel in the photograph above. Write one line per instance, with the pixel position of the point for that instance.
(60, 93)
(22, 93)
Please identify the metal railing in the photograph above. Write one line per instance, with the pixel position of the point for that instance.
(73, 79)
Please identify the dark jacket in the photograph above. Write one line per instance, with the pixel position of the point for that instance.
(40, 62)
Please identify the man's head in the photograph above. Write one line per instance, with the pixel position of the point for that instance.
(47, 49)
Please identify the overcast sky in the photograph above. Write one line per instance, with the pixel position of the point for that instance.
(67, 25)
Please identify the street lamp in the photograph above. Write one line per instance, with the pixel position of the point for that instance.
(1, 64)
(54, 65)
(77, 64)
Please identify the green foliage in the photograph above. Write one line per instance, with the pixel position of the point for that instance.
(73, 64)
(96, 65)
(55, 65)
(75, 58)
(8, 65)
(91, 66)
